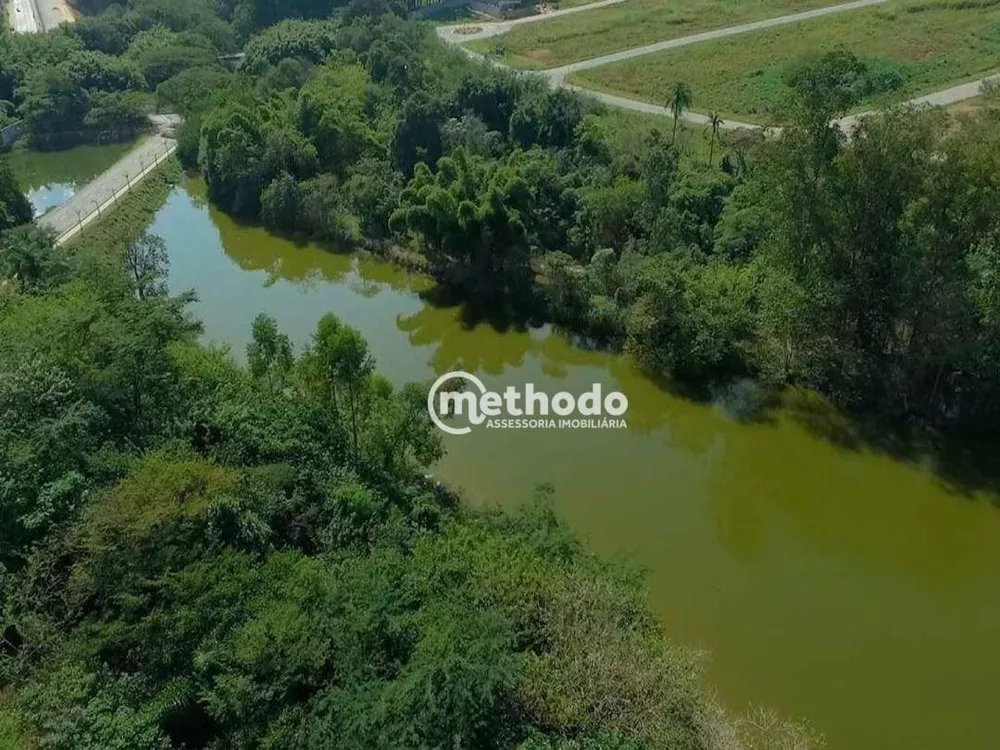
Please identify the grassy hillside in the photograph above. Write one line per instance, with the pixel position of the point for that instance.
(548, 44)
(911, 48)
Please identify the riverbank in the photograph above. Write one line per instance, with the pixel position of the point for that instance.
(141, 497)
(834, 584)
(107, 189)
(181, 504)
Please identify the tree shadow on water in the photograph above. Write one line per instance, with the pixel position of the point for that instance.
(964, 462)
(474, 312)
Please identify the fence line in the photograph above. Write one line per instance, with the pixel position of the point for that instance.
(83, 221)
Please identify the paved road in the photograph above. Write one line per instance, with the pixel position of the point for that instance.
(937, 99)
(653, 109)
(847, 124)
(107, 188)
(23, 17)
(706, 36)
(557, 76)
(36, 16)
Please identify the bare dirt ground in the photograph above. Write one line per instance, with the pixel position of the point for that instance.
(54, 13)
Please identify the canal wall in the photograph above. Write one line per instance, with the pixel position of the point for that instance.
(504, 9)
(105, 190)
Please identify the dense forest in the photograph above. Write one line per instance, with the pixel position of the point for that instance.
(197, 554)
(861, 267)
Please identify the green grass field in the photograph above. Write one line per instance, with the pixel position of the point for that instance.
(548, 44)
(924, 46)
(628, 133)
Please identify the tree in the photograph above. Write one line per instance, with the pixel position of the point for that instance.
(471, 218)
(546, 118)
(28, 256)
(290, 40)
(193, 90)
(373, 190)
(116, 111)
(344, 359)
(491, 96)
(280, 204)
(231, 157)
(714, 122)
(269, 355)
(822, 89)
(161, 53)
(53, 103)
(333, 113)
(146, 262)
(96, 70)
(680, 100)
(14, 206)
(418, 137)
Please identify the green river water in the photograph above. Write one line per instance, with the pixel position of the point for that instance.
(838, 585)
(50, 178)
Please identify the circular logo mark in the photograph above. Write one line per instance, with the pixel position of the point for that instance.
(431, 406)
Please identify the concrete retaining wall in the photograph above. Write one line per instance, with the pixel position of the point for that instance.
(428, 10)
(496, 8)
(500, 9)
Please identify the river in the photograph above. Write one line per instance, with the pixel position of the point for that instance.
(839, 585)
(50, 178)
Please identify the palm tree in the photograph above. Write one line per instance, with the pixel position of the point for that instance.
(680, 99)
(714, 122)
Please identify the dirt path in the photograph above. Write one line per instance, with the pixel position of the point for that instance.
(54, 13)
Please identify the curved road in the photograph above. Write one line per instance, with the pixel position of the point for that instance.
(557, 76)
(704, 36)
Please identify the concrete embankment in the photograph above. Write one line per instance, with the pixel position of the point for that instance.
(101, 193)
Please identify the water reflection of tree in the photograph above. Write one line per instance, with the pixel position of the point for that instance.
(253, 248)
(476, 347)
(307, 264)
(75, 166)
(381, 274)
(860, 506)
